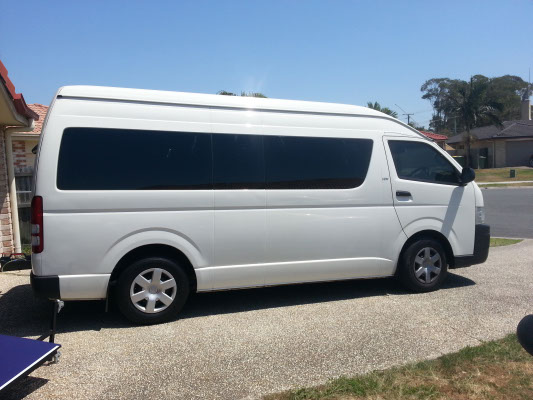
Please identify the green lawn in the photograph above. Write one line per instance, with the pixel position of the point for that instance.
(494, 370)
(496, 242)
(502, 174)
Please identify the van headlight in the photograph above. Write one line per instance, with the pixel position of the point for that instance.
(480, 215)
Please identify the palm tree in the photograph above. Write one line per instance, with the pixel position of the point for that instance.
(376, 106)
(470, 103)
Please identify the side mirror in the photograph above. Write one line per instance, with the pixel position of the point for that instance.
(467, 176)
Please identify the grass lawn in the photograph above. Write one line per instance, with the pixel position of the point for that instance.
(496, 242)
(494, 370)
(502, 174)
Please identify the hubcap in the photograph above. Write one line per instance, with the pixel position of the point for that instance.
(153, 290)
(428, 265)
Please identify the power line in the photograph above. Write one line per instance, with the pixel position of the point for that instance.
(405, 113)
(399, 107)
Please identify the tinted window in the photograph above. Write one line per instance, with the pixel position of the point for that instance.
(119, 159)
(421, 162)
(316, 163)
(238, 162)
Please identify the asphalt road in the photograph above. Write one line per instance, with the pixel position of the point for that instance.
(244, 344)
(509, 212)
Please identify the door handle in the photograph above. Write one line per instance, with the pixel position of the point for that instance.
(403, 193)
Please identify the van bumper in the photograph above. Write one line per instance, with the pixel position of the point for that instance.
(46, 287)
(481, 248)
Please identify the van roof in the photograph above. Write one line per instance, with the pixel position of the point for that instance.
(210, 100)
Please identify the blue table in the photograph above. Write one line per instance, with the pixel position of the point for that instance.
(19, 357)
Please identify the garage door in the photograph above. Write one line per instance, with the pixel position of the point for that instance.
(519, 153)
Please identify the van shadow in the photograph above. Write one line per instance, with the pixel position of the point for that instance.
(226, 302)
(23, 315)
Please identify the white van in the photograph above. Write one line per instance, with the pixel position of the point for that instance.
(146, 196)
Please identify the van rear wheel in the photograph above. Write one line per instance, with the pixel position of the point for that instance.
(152, 290)
(423, 266)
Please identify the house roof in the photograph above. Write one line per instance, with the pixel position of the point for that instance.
(18, 100)
(434, 136)
(41, 111)
(509, 129)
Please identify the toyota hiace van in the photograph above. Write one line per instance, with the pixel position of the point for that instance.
(144, 197)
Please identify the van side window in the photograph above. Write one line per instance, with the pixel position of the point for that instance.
(122, 159)
(418, 161)
(238, 162)
(316, 163)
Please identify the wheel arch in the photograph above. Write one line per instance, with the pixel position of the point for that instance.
(155, 250)
(425, 234)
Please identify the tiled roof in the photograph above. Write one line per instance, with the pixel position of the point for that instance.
(434, 136)
(18, 100)
(510, 129)
(41, 111)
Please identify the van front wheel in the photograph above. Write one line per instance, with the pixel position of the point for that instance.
(423, 266)
(152, 290)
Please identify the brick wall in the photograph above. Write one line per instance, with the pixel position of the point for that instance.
(22, 153)
(19, 153)
(6, 230)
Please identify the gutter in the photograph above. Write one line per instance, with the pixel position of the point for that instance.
(9, 133)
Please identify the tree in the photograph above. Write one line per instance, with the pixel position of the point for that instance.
(243, 94)
(376, 106)
(505, 90)
(471, 102)
(415, 125)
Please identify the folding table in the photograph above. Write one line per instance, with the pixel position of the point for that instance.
(20, 356)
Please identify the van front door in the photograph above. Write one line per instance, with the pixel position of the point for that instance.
(427, 193)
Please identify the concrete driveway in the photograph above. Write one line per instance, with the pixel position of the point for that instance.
(232, 345)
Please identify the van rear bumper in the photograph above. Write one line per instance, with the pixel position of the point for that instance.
(46, 287)
(481, 248)
(70, 287)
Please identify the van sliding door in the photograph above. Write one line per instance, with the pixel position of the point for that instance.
(240, 215)
(329, 211)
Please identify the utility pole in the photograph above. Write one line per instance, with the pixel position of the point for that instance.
(408, 117)
(405, 113)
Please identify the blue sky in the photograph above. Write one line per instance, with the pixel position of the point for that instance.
(335, 51)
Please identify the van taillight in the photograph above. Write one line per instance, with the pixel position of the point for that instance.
(37, 224)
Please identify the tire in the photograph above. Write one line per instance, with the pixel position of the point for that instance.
(531, 162)
(145, 301)
(420, 260)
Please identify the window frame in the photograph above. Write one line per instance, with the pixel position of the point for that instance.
(212, 186)
(270, 184)
(226, 186)
(429, 144)
(85, 127)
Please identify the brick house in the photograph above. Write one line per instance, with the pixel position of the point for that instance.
(23, 161)
(510, 145)
(24, 143)
(17, 119)
(437, 138)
